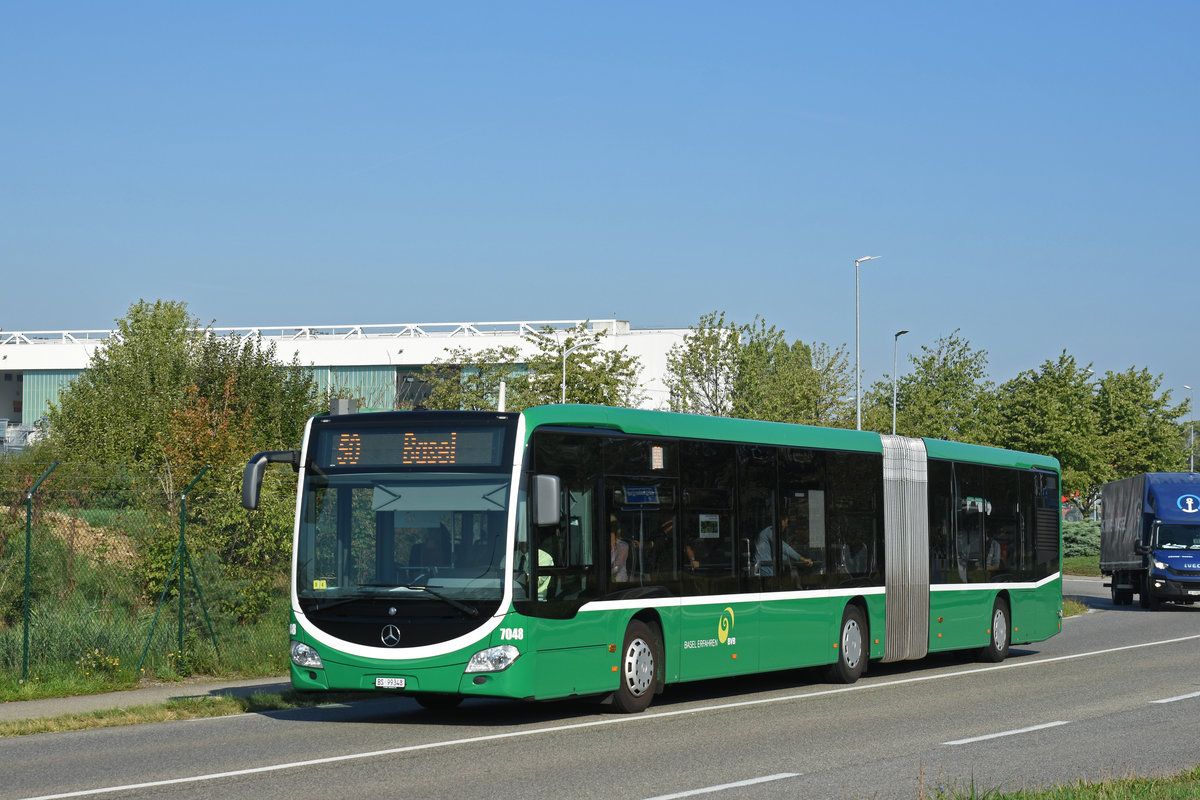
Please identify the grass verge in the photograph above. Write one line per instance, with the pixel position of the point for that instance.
(1088, 566)
(178, 709)
(1184, 786)
(1072, 607)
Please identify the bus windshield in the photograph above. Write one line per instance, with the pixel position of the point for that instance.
(402, 536)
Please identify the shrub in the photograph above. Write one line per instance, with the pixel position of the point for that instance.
(1081, 538)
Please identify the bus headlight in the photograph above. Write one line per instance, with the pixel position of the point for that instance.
(494, 659)
(305, 656)
(1159, 565)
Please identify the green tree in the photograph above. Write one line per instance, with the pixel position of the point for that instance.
(797, 383)
(946, 395)
(595, 374)
(115, 411)
(470, 381)
(752, 371)
(701, 370)
(1137, 425)
(251, 549)
(1052, 411)
(168, 396)
(766, 379)
(833, 403)
(245, 374)
(119, 411)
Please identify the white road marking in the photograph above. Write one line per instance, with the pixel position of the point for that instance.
(630, 720)
(710, 789)
(1030, 729)
(1180, 697)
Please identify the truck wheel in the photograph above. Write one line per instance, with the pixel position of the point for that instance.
(1146, 598)
(1001, 633)
(641, 660)
(852, 648)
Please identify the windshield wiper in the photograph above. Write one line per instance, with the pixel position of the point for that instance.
(334, 603)
(341, 601)
(450, 601)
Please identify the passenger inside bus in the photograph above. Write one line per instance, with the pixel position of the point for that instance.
(544, 559)
(618, 552)
(764, 551)
(428, 552)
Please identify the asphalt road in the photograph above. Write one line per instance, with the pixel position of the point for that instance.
(1116, 693)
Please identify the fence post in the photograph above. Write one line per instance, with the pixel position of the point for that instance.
(184, 555)
(182, 560)
(28, 559)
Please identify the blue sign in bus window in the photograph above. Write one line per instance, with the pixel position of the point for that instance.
(641, 495)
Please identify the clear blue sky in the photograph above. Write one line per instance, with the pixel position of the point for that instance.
(1027, 170)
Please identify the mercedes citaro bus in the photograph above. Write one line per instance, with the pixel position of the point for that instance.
(574, 550)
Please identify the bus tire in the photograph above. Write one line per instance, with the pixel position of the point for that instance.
(641, 663)
(851, 648)
(438, 702)
(999, 633)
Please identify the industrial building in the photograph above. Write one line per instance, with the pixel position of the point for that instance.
(379, 364)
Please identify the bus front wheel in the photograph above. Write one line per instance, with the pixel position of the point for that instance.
(1000, 635)
(851, 648)
(641, 660)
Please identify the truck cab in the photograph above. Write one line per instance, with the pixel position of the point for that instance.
(1172, 552)
(1150, 538)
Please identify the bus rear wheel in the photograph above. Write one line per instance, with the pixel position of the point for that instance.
(1000, 636)
(641, 661)
(851, 648)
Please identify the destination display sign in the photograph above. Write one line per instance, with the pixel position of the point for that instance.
(467, 446)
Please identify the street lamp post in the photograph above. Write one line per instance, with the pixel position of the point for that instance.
(566, 352)
(895, 349)
(857, 351)
(1192, 432)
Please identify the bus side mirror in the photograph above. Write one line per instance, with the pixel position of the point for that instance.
(1140, 548)
(253, 474)
(546, 489)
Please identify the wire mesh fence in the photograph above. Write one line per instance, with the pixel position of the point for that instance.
(106, 577)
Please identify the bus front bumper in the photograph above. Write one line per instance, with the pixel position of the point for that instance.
(414, 677)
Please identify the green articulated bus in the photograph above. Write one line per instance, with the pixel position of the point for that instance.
(574, 550)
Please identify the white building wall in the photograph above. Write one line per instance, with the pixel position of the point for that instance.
(405, 344)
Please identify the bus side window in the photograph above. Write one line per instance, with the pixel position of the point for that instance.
(941, 523)
(972, 508)
(756, 510)
(804, 544)
(566, 570)
(713, 552)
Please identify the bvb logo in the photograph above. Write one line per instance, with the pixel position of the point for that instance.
(725, 626)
